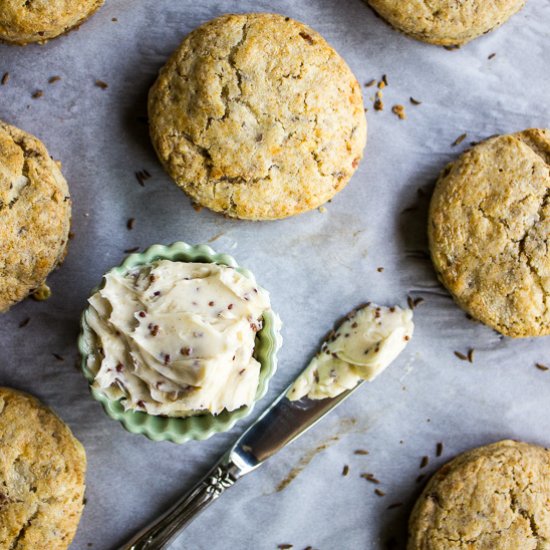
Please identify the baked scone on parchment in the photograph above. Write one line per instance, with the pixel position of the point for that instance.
(23, 22)
(256, 116)
(495, 497)
(446, 22)
(42, 469)
(489, 232)
(35, 215)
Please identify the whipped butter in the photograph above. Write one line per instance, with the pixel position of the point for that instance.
(360, 349)
(176, 338)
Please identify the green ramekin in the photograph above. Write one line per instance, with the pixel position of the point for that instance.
(180, 430)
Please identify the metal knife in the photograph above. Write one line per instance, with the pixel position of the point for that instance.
(279, 425)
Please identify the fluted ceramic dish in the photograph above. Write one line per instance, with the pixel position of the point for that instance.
(180, 430)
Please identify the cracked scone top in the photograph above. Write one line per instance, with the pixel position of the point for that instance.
(42, 470)
(35, 213)
(446, 22)
(39, 20)
(489, 230)
(495, 497)
(256, 116)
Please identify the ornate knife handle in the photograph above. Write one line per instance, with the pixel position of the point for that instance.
(162, 531)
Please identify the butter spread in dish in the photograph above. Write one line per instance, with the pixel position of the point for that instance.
(177, 338)
(362, 347)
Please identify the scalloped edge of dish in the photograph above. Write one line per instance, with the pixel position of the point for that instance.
(198, 427)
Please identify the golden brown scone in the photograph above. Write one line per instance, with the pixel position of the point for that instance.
(495, 497)
(256, 116)
(35, 214)
(489, 230)
(23, 22)
(446, 22)
(42, 469)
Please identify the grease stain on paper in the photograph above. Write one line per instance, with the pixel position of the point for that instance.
(344, 427)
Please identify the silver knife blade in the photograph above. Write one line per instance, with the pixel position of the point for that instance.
(282, 423)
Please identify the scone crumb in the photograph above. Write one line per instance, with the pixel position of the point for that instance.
(24, 322)
(491, 56)
(399, 110)
(378, 105)
(345, 470)
(101, 84)
(379, 493)
(542, 367)
(322, 209)
(130, 223)
(459, 140)
(370, 83)
(196, 207)
(142, 176)
(37, 94)
(370, 477)
(424, 461)
(414, 101)
(439, 449)
(43, 292)
(5, 79)
(58, 357)
(53, 79)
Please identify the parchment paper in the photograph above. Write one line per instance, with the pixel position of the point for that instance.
(316, 266)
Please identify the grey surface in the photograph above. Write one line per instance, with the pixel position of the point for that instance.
(317, 267)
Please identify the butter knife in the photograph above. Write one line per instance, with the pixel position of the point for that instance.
(279, 425)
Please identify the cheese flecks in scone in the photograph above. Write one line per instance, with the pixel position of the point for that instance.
(42, 476)
(255, 115)
(491, 497)
(35, 215)
(177, 338)
(446, 22)
(362, 347)
(489, 232)
(39, 21)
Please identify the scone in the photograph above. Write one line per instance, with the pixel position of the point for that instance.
(42, 469)
(491, 498)
(489, 230)
(35, 214)
(256, 116)
(446, 22)
(39, 20)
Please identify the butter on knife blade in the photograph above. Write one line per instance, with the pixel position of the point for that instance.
(360, 349)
